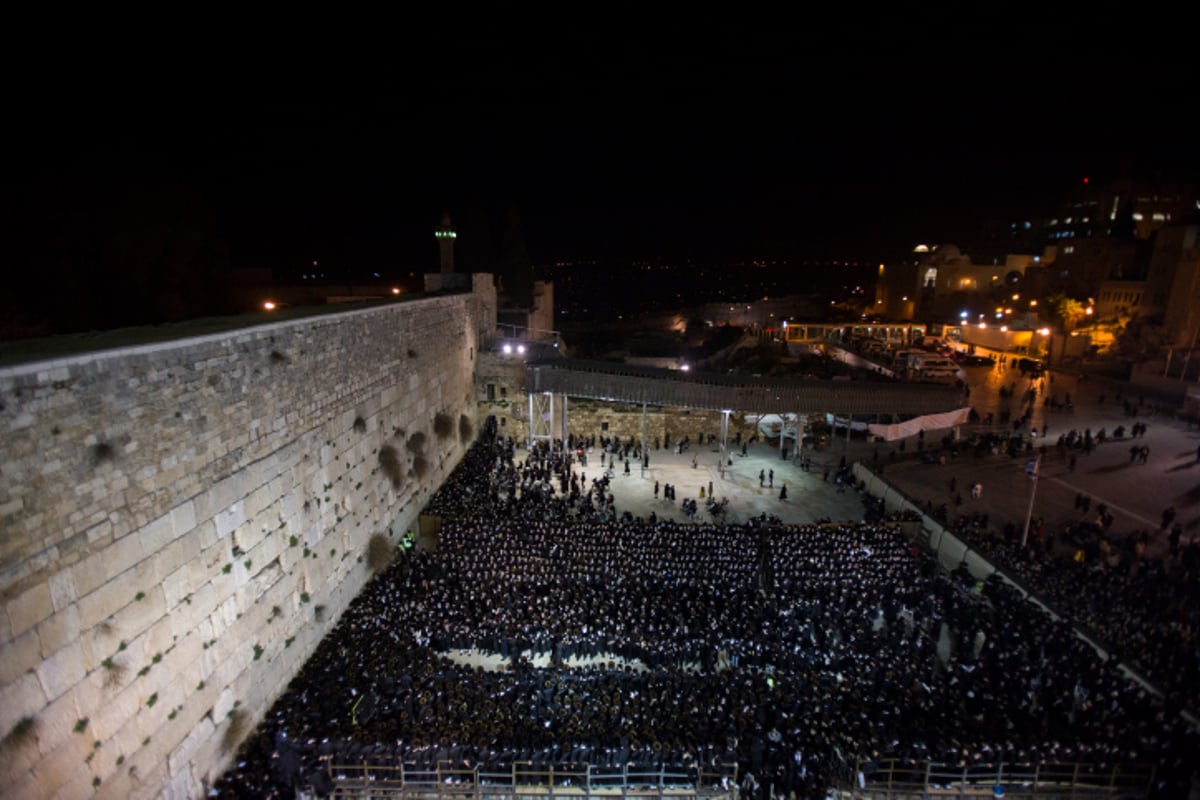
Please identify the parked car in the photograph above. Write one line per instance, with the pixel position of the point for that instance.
(976, 361)
(1030, 366)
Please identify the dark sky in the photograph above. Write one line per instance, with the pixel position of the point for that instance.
(755, 136)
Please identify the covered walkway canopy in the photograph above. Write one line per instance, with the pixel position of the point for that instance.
(655, 386)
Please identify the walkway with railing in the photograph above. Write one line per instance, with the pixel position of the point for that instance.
(365, 780)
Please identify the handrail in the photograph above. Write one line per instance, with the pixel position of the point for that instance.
(895, 776)
(363, 778)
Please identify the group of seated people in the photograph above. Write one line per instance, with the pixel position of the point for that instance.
(780, 658)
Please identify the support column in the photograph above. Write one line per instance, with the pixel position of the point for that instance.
(799, 435)
(642, 460)
(541, 418)
(565, 431)
(724, 442)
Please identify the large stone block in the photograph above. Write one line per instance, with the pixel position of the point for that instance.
(62, 589)
(62, 670)
(29, 608)
(57, 631)
(61, 766)
(77, 788)
(118, 707)
(56, 723)
(21, 698)
(122, 554)
(20, 655)
(156, 535)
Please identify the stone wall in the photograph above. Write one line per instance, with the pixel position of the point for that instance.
(181, 524)
(500, 385)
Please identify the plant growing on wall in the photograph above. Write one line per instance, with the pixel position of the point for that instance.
(234, 730)
(114, 672)
(420, 466)
(22, 731)
(389, 462)
(101, 452)
(465, 428)
(360, 425)
(379, 552)
(443, 425)
(416, 442)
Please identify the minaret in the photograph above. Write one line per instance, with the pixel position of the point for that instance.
(445, 238)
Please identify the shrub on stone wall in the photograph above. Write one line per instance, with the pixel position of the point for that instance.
(420, 466)
(465, 429)
(101, 452)
(416, 442)
(22, 732)
(235, 730)
(443, 425)
(379, 552)
(389, 462)
(360, 425)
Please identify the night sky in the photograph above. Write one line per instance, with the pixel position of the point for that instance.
(754, 137)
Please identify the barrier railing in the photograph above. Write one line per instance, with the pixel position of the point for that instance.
(363, 780)
(889, 779)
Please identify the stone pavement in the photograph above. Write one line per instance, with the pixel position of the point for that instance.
(809, 499)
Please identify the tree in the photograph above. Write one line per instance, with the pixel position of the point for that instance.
(1068, 310)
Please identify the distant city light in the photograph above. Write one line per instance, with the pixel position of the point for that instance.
(1044, 331)
(1004, 329)
(684, 367)
(395, 290)
(268, 305)
(507, 348)
(520, 348)
(963, 315)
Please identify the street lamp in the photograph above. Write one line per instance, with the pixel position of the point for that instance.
(1032, 469)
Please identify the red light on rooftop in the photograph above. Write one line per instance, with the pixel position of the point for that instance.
(1085, 179)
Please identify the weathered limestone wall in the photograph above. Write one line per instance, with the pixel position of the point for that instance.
(500, 391)
(181, 523)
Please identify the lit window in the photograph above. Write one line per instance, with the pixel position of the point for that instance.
(1137, 216)
(1158, 216)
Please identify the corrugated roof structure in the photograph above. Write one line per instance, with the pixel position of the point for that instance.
(656, 386)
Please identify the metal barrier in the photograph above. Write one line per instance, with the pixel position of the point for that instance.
(897, 779)
(371, 781)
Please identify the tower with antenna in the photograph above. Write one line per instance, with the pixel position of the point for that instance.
(445, 236)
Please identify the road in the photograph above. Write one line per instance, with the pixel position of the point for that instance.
(1136, 493)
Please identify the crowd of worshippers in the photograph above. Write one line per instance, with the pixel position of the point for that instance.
(1145, 609)
(779, 657)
